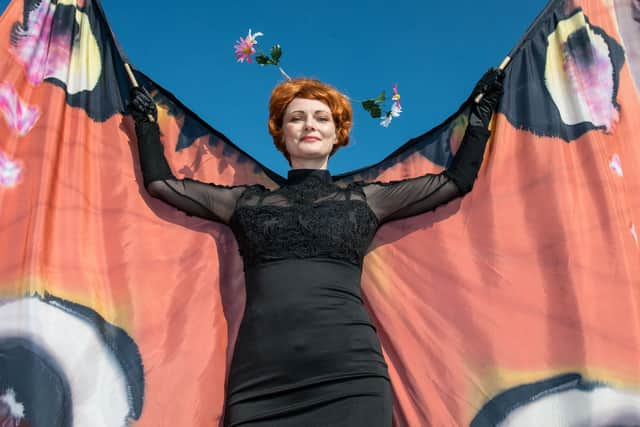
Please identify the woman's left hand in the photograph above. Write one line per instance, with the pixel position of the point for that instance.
(491, 88)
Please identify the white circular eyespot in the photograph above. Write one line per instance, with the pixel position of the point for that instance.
(565, 400)
(63, 365)
(601, 406)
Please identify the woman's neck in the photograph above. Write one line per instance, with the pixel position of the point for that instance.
(309, 163)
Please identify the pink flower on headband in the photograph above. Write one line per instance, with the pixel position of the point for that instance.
(244, 47)
(396, 97)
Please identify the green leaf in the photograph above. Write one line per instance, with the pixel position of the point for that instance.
(276, 53)
(367, 104)
(372, 107)
(381, 98)
(262, 59)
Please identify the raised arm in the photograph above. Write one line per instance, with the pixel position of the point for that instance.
(401, 199)
(209, 201)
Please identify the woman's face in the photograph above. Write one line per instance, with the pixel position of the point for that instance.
(309, 130)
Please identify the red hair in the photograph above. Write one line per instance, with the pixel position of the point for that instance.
(305, 88)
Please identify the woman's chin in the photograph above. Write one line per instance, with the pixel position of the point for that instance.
(311, 154)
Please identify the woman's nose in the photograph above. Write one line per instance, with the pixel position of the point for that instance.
(309, 125)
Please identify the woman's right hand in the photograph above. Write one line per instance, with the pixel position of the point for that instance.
(141, 105)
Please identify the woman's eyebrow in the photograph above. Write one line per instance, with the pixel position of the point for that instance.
(315, 112)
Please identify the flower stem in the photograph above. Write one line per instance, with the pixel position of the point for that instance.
(286, 76)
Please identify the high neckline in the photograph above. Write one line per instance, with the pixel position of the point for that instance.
(296, 176)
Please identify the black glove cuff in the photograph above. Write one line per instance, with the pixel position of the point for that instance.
(152, 161)
(466, 163)
(480, 115)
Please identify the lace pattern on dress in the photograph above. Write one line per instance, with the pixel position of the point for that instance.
(310, 218)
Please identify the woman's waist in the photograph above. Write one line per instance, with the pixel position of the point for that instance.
(304, 326)
(304, 268)
(297, 282)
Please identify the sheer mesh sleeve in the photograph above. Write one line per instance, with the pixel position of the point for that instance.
(209, 201)
(401, 199)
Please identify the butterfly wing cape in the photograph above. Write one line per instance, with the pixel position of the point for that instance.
(517, 304)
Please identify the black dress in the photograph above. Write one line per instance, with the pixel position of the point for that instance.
(306, 352)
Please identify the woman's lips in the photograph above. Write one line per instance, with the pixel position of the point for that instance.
(310, 139)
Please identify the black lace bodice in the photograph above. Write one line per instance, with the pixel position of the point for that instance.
(307, 218)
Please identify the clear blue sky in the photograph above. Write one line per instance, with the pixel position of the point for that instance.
(434, 50)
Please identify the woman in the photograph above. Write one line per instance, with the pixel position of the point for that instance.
(306, 352)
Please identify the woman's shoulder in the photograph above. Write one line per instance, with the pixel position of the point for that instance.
(351, 186)
(257, 189)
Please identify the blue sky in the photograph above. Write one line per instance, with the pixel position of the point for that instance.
(434, 51)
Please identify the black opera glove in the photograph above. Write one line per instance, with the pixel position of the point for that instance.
(141, 105)
(490, 86)
(152, 161)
